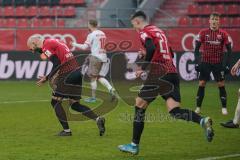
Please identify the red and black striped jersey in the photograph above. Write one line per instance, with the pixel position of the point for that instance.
(162, 54)
(213, 45)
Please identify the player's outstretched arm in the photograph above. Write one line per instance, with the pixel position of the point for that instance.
(56, 64)
(80, 46)
(235, 68)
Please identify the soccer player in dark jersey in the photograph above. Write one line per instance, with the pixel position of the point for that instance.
(213, 40)
(160, 56)
(63, 62)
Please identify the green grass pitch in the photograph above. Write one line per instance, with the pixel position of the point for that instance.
(28, 125)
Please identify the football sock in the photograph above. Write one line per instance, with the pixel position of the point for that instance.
(138, 124)
(94, 88)
(60, 113)
(223, 96)
(105, 83)
(84, 110)
(200, 96)
(236, 119)
(185, 114)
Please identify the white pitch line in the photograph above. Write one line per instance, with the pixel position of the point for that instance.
(24, 101)
(220, 157)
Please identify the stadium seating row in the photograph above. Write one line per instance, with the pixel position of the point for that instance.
(217, 1)
(33, 11)
(41, 2)
(207, 9)
(204, 22)
(33, 23)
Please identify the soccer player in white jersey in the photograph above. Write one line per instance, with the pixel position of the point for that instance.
(235, 123)
(98, 62)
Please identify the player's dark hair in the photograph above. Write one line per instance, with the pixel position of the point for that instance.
(215, 14)
(93, 22)
(139, 14)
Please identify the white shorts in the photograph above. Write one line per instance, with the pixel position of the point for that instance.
(103, 71)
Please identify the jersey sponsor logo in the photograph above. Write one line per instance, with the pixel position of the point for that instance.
(66, 38)
(69, 55)
(214, 42)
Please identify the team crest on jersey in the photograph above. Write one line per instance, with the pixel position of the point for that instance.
(207, 37)
(219, 36)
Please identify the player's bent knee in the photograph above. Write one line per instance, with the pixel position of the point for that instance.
(171, 104)
(55, 101)
(202, 83)
(57, 98)
(221, 84)
(141, 103)
(72, 101)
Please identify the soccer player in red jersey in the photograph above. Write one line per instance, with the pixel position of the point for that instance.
(213, 40)
(162, 79)
(63, 62)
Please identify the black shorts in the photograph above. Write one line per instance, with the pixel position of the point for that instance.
(206, 68)
(167, 86)
(67, 85)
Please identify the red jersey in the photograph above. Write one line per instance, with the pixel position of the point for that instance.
(58, 48)
(54, 47)
(213, 45)
(162, 54)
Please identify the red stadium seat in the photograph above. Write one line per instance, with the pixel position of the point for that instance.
(8, 11)
(184, 21)
(1, 12)
(60, 23)
(235, 22)
(36, 23)
(205, 22)
(233, 9)
(44, 11)
(20, 11)
(32, 11)
(219, 8)
(78, 2)
(22, 23)
(206, 10)
(10, 23)
(2, 23)
(57, 11)
(224, 22)
(65, 2)
(69, 11)
(47, 22)
(193, 10)
(197, 22)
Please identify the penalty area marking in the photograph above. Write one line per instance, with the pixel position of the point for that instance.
(220, 157)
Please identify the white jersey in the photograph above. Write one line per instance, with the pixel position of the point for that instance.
(96, 41)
